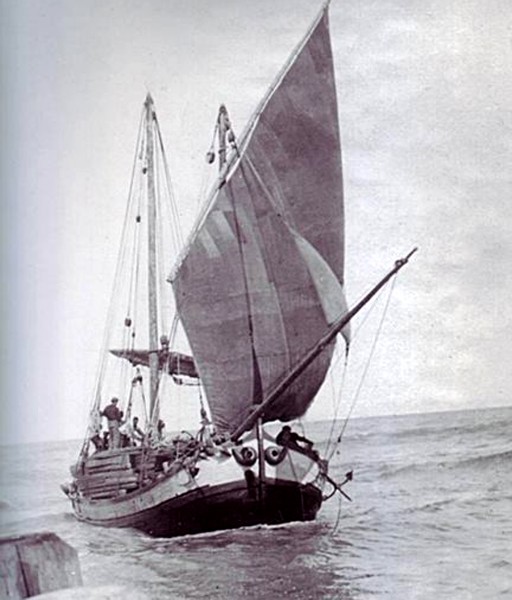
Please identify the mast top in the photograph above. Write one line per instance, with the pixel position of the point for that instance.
(149, 100)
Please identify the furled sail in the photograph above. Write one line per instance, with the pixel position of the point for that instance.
(173, 363)
(262, 276)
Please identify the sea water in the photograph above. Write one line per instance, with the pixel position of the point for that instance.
(430, 517)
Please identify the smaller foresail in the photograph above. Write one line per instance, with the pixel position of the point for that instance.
(173, 363)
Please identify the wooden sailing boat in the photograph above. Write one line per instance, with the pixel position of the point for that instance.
(259, 292)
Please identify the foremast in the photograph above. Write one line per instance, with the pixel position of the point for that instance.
(152, 258)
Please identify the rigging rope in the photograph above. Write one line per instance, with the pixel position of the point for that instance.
(339, 395)
(175, 225)
(366, 368)
(337, 403)
(137, 382)
(129, 258)
(177, 237)
(96, 399)
(174, 328)
(279, 205)
(159, 245)
(169, 206)
(338, 517)
(135, 270)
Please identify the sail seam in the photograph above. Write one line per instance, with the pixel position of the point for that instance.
(257, 387)
(275, 205)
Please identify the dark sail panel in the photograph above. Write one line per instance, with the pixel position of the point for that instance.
(295, 147)
(246, 290)
(262, 277)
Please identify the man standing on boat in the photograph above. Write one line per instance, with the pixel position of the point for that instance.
(134, 432)
(114, 417)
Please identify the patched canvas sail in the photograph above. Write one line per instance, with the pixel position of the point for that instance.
(262, 276)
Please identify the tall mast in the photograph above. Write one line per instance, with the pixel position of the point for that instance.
(152, 260)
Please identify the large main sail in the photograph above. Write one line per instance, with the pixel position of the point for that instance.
(262, 276)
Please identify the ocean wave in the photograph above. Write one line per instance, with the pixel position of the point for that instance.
(501, 564)
(403, 428)
(432, 507)
(243, 535)
(390, 470)
(486, 459)
(444, 431)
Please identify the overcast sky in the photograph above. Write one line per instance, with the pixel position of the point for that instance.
(424, 89)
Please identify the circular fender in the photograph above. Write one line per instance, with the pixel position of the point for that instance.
(245, 456)
(70, 490)
(275, 455)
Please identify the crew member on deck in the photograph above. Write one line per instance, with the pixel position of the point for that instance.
(160, 427)
(289, 439)
(98, 441)
(114, 418)
(137, 434)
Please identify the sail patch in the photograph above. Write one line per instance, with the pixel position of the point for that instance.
(222, 225)
(330, 291)
(208, 243)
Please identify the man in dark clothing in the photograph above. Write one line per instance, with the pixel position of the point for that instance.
(289, 439)
(97, 440)
(136, 432)
(114, 417)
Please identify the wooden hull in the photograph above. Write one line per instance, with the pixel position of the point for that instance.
(225, 506)
(220, 494)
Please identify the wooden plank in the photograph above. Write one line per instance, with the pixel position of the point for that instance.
(12, 584)
(103, 496)
(122, 478)
(106, 494)
(95, 468)
(104, 592)
(118, 461)
(110, 485)
(109, 490)
(96, 485)
(37, 563)
(98, 470)
(117, 452)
